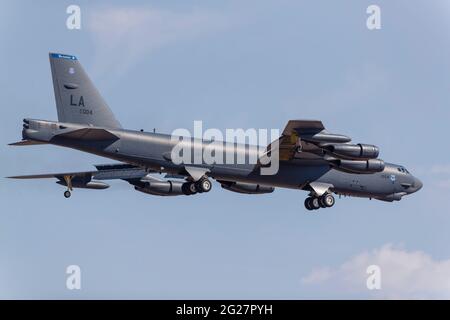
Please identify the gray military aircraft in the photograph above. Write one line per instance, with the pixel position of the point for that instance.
(310, 157)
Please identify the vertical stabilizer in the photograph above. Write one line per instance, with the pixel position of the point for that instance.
(77, 99)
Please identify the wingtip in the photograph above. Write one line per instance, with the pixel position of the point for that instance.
(26, 142)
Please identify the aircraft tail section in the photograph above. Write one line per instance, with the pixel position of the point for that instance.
(77, 99)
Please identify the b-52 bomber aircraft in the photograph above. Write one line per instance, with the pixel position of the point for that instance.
(310, 158)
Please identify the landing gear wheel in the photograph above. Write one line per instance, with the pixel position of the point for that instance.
(203, 185)
(67, 194)
(192, 188)
(189, 188)
(308, 204)
(328, 200)
(315, 204)
(322, 201)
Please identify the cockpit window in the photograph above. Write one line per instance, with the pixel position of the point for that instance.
(401, 169)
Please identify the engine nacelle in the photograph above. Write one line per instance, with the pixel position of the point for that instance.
(98, 185)
(162, 188)
(360, 166)
(353, 151)
(247, 188)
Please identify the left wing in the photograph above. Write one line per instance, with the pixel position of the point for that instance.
(85, 180)
(103, 172)
(137, 176)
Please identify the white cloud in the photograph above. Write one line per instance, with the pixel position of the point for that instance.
(404, 275)
(123, 36)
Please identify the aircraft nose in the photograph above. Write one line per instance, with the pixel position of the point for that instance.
(417, 184)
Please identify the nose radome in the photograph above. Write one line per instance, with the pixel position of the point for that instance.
(417, 184)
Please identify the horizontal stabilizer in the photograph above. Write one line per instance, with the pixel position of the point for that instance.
(89, 134)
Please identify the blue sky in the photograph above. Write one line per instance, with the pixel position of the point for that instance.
(232, 64)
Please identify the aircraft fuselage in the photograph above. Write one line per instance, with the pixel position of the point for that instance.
(153, 151)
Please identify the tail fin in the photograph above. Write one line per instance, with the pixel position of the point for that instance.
(77, 99)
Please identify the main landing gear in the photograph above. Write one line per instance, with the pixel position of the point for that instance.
(200, 186)
(324, 201)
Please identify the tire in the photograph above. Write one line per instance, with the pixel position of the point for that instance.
(189, 188)
(308, 203)
(328, 200)
(315, 204)
(67, 194)
(192, 188)
(185, 188)
(322, 201)
(203, 185)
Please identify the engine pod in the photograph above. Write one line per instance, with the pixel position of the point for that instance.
(360, 166)
(247, 188)
(353, 151)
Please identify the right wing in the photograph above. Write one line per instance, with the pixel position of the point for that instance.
(301, 139)
(309, 140)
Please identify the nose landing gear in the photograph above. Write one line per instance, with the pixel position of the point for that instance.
(324, 201)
